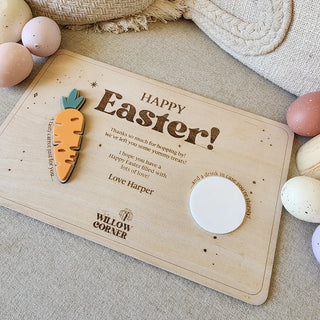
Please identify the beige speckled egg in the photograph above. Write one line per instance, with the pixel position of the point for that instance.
(16, 63)
(14, 14)
(301, 197)
(308, 158)
(42, 36)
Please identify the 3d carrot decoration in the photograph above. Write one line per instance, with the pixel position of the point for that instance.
(67, 135)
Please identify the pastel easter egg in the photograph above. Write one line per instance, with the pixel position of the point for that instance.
(42, 36)
(14, 14)
(316, 243)
(16, 63)
(308, 158)
(301, 197)
(303, 116)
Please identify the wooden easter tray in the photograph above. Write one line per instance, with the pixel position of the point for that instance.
(146, 144)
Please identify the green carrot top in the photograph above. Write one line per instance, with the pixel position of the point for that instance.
(73, 101)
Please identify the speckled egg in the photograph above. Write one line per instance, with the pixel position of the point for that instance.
(308, 158)
(303, 116)
(301, 197)
(316, 243)
(14, 14)
(42, 36)
(16, 63)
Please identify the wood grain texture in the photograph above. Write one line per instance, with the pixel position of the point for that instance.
(145, 146)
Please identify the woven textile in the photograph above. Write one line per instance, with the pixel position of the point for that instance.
(254, 28)
(279, 39)
(79, 12)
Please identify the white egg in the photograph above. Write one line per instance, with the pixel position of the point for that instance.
(301, 197)
(14, 14)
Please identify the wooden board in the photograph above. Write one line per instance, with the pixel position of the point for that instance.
(146, 144)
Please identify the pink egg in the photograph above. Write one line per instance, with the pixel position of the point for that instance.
(42, 36)
(303, 116)
(316, 243)
(16, 63)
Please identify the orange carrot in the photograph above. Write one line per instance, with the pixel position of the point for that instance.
(67, 135)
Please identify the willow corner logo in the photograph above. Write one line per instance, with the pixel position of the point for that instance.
(126, 214)
(118, 228)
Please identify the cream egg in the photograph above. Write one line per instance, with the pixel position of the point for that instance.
(14, 14)
(301, 198)
(42, 36)
(16, 63)
(308, 158)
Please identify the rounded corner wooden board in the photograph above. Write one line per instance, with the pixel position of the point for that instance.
(145, 146)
